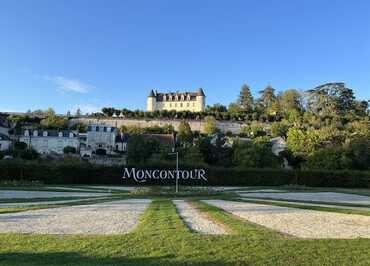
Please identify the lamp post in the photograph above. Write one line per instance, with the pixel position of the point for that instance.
(177, 169)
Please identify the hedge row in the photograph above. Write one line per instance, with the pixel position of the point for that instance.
(84, 173)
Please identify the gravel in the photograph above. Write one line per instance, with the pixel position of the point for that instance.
(298, 222)
(195, 221)
(314, 196)
(46, 202)
(117, 217)
(123, 188)
(319, 205)
(18, 194)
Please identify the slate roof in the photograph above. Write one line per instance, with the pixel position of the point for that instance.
(171, 96)
(51, 132)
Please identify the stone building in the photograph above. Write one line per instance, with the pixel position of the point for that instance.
(101, 139)
(50, 141)
(5, 142)
(178, 101)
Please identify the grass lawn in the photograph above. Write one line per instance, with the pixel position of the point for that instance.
(162, 239)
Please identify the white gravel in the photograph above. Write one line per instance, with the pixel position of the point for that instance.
(20, 194)
(117, 217)
(314, 196)
(195, 221)
(298, 222)
(316, 204)
(123, 188)
(46, 202)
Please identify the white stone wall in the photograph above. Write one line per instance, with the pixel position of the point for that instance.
(5, 145)
(196, 125)
(197, 105)
(46, 145)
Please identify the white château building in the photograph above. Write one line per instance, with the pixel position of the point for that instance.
(50, 141)
(178, 101)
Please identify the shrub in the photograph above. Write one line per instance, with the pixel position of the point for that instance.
(85, 173)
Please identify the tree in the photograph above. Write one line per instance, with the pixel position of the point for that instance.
(69, 150)
(245, 100)
(140, 149)
(108, 111)
(210, 125)
(267, 97)
(78, 112)
(255, 154)
(52, 121)
(184, 133)
(291, 100)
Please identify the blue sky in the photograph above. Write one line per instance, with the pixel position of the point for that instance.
(89, 54)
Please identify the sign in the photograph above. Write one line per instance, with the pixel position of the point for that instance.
(142, 175)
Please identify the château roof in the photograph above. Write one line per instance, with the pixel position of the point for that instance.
(176, 96)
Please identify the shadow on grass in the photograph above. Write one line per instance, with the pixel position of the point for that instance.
(71, 258)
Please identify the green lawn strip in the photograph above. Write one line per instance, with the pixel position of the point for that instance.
(162, 239)
(306, 207)
(66, 204)
(310, 201)
(27, 200)
(45, 188)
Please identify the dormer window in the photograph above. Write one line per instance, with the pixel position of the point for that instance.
(60, 134)
(45, 134)
(170, 97)
(26, 133)
(176, 98)
(109, 129)
(164, 97)
(71, 135)
(35, 133)
(188, 97)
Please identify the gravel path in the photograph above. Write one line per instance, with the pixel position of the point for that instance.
(319, 205)
(25, 204)
(18, 194)
(117, 217)
(299, 222)
(315, 196)
(123, 188)
(195, 221)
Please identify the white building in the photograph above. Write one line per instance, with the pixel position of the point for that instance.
(50, 141)
(5, 142)
(101, 138)
(178, 101)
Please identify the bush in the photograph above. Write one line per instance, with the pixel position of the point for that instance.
(85, 173)
(69, 149)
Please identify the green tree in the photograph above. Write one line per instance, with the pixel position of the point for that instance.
(291, 100)
(184, 133)
(69, 150)
(245, 100)
(210, 125)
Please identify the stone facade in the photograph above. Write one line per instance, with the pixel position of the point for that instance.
(50, 141)
(177, 101)
(196, 125)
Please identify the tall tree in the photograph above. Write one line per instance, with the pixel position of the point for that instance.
(267, 97)
(184, 133)
(291, 100)
(245, 100)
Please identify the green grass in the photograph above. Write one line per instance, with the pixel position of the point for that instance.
(162, 239)
(307, 207)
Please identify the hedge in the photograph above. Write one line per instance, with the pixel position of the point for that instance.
(84, 173)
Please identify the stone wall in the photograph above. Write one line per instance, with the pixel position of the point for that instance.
(196, 125)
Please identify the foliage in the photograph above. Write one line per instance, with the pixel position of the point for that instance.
(210, 125)
(184, 133)
(69, 149)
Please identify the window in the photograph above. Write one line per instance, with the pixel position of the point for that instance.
(170, 104)
(180, 104)
(175, 104)
(188, 104)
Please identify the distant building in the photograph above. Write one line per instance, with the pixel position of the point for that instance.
(50, 141)
(101, 139)
(178, 101)
(5, 142)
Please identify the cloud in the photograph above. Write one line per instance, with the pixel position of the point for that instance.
(86, 108)
(69, 85)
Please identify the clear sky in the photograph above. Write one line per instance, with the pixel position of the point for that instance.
(90, 54)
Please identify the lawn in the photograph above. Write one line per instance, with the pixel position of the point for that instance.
(161, 238)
